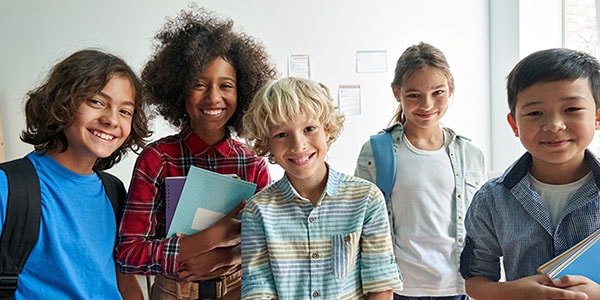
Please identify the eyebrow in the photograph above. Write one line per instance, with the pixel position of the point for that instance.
(442, 85)
(127, 103)
(564, 99)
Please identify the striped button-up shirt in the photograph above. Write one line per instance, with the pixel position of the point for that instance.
(339, 249)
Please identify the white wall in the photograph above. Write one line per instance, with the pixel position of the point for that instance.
(34, 35)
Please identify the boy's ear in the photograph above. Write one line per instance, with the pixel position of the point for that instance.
(515, 129)
(396, 92)
(597, 127)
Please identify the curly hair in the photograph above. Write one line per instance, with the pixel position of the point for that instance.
(52, 107)
(282, 100)
(183, 50)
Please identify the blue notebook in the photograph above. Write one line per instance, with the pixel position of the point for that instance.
(582, 259)
(207, 197)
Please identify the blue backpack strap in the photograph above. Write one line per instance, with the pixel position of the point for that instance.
(385, 162)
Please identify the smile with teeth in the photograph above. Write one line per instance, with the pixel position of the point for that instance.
(213, 112)
(103, 136)
(301, 159)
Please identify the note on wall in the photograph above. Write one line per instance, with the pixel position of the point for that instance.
(349, 99)
(372, 61)
(299, 66)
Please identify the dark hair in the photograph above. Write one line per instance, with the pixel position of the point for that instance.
(415, 58)
(51, 107)
(185, 47)
(552, 65)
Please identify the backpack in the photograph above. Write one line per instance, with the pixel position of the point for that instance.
(385, 162)
(23, 213)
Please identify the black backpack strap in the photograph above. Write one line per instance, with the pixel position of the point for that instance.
(116, 192)
(22, 224)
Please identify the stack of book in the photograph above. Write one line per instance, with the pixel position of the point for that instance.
(582, 259)
(198, 200)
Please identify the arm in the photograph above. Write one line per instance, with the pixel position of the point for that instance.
(257, 276)
(532, 288)
(379, 271)
(142, 247)
(389, 295)
(129, 287)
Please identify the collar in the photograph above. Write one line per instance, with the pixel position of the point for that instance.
(289, 193)
(198, 146)
(519, 169)
(397, 130)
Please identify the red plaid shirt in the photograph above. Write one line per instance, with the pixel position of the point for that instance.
(142, 247)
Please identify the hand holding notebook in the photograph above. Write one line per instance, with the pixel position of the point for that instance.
(205, 198)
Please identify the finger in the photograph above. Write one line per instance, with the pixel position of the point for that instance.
(238, 209)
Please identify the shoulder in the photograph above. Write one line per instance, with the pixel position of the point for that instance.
(355, 187)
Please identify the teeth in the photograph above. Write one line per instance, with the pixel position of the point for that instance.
(214, 112)
(103, 136)
(301, 160)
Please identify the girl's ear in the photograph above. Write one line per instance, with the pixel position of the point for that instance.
(396, 92)
(515, 128)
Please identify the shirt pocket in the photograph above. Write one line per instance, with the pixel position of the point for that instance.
(344, 252)
(472, 184)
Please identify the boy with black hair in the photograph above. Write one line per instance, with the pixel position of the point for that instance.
(548, 200)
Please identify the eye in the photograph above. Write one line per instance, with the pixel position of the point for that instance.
(413, 95)
(227, 85)
(95, 102)
(573, 109)
(280, 135)
(310, 128)
(199, 85)
(126, 112)
(439, 92)
(534, 113)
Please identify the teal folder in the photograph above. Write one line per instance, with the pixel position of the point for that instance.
(206, 197)
(582, 259)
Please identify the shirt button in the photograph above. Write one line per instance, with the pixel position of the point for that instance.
(460, 240)
(460, 217)
(316, 294)
(348, 238)
(459, 196)
(456, 174)
(311, 219)
(315, 255)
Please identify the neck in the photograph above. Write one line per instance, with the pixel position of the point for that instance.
(312, 187)
(425, 138)
(77, 164)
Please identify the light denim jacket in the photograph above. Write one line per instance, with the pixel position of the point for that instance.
(468, 164)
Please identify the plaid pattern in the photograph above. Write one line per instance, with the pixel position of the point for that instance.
(142, 247)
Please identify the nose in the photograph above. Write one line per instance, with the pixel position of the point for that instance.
(213, 95)
(110, 117)
(554, 123)
(427, 101)
(299, 143)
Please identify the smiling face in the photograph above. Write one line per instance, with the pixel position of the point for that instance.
(101, 125)
(300, 148)
(555, 122)
(213, 101)
(424, 97)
